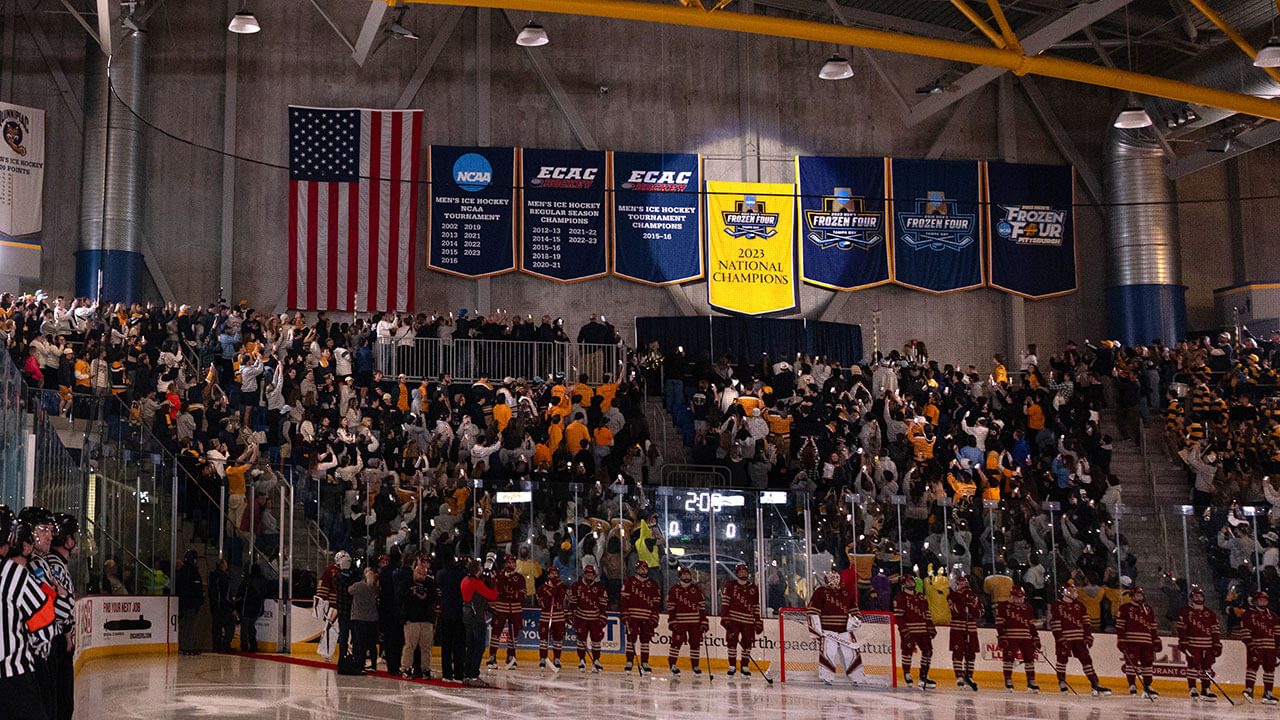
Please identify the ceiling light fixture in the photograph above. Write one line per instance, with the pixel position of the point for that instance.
(1133, 116)
(532, 35)
(1269, 55)
(836, 68)
(244, 23)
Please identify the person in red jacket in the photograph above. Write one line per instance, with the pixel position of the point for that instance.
(551, 599)
(740, 617)
(1016, 634)
(1200, 641)
(1072, 637)
(687, 620)
(508, 611)
(640, 602)
(915, 630)
(965, 608)
(834, 618)
(1139, 641)
(1260, 627)
(587, 602)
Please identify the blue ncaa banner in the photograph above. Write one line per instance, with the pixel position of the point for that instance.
(843, 235)
(656, 218)
(472, 210)
(1031, 229)
(564, 229)
(937, 237)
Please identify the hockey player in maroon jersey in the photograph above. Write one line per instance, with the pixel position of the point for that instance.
(587, 603)
(686, 619)
(551, 598)
(1259, 628)
(1138, 640)
(965, 608)
(1201, 643)
(1017, 635)
(740, 617)
(640, 603)
(508, 611)
(915, 630)
(1072, 637)
(834, 618)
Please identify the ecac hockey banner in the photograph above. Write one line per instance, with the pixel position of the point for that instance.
(843, 235)
(1031, 229)
(21, 174)
(564, 233)
(472, 210)
(655, 216)
(751, 247)
(937, 237)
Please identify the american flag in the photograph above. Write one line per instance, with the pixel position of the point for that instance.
(353, 210)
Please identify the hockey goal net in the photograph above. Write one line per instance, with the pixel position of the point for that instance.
(798, 648)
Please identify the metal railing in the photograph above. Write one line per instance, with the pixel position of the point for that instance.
(468, 360)
(696, 476)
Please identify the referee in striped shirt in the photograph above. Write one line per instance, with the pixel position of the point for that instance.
(42, 569)
(25, 612)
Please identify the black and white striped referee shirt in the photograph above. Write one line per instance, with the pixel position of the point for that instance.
(20, 599)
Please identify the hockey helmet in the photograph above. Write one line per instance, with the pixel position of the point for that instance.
(64, 526)
(962, 582)
(832, 579)
(342, 559)
(35, 515)
(1017, 591)
(1136, 593)
(1068, 592)
(1196, 593)
(642, 565)
(742, 570)
(1260, 596)
(509, 562)
(589, 572)
(553, 572)
(685, 572)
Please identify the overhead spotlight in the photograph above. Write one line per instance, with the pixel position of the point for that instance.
(131, 24)
(1269, 55)
(1132, 118)
(244, 23)
(1220, 145)
(836, 68)
(532, 35)
(399, 31)
(932, 88)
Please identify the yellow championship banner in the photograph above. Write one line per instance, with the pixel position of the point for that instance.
(751, 247)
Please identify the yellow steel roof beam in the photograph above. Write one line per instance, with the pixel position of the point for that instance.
(1231, 33)
(981, 24)
(891, 42)
(1010, 39)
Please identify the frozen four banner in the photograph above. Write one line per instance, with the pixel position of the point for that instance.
(656, 224)
(751, 247)
(1031, 235)
(472, 210)
(562, 214)
(937, 237)
(21, 174)
(843, 236)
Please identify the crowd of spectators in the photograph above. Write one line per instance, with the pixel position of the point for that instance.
(957, 461)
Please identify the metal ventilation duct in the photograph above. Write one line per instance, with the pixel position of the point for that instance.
(111, 175)
(1145, 295)
(1225, 67)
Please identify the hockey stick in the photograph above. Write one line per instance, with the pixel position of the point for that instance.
(1055, 672)
(763, 674)
(706, 652)
(1219, 687)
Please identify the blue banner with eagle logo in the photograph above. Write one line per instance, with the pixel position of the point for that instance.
(1030, 216)
(937, 236)
(843, 221)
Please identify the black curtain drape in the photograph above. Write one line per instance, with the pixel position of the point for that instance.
(744, 339)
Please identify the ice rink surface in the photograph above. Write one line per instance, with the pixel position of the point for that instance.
(230, 686)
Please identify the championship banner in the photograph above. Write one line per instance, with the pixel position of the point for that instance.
(1031, 247)
(21, 175)
(844, 243)
(472, 210)
(562, 216)
(937, 239)
(657, 231)
(751, 247)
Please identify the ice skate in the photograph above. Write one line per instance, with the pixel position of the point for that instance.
(582, 666)
(542, 664)
(1149, 692)
(1268, 699)
(511, 663)
(675, 671)
(596, 667)
(1063, 687)
(1099, 691)
(1208, 696)
(730, 671)
(927, 684)
(492, 664)
(970, 682)
(555, 666)
(645, 669)
(746, 671)
(630, 664)
(1133, 689)
(1033, 688)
